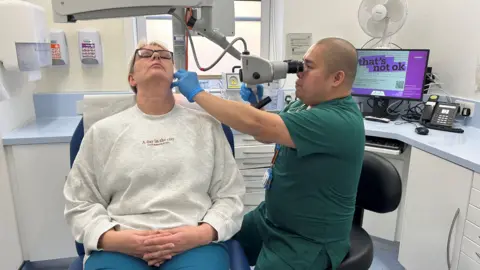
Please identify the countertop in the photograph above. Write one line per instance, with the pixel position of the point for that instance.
(462, 149)
(44, 130)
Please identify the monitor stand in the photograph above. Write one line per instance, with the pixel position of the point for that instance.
(380, 106)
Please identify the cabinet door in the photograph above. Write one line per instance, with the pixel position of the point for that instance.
(38, 178)
(476, 181)
(436, 191)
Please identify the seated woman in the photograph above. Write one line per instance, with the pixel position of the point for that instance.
(155, 185)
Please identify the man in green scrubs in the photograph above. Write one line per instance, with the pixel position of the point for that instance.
(311, 187)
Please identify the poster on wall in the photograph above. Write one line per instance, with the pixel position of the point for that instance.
(297, 45)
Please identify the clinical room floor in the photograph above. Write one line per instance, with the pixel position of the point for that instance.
(385, 255)
(386, 258)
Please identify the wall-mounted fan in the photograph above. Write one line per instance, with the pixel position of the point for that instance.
(382, 19)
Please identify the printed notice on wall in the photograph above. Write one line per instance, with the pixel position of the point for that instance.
(297, 45)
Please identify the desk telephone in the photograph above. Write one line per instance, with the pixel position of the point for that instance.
(440, 115)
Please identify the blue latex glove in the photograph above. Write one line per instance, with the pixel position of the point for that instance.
(188, 84)
(247, 94)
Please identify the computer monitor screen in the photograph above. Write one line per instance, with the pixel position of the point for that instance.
(391, 74)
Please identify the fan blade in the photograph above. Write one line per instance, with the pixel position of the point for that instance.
(396, 9)
(376, 28)
(370, 4)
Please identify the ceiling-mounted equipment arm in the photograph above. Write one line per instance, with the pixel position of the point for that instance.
(74, 10)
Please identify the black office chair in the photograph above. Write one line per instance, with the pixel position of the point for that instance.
(380, 191)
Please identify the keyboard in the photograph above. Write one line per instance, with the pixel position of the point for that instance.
(383, 145)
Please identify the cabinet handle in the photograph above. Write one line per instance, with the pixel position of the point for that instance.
(449, 263)
(258, 153)
(253, 175)
(250, 140)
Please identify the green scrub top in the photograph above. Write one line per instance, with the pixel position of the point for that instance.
(314, 186)
(311, 201)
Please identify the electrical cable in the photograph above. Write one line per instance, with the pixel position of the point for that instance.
(363, 46)
(413, 114)
(368, 103)
(188, 12)
(395, 45)
(195, 53)
(436, 82)
(394, 111)
(370, 40)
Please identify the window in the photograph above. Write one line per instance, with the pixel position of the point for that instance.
(248, 24)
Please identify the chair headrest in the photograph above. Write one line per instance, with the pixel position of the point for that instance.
(380, 186)
(97, 107)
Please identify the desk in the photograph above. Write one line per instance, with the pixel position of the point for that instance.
(461, 149)
(438, 172)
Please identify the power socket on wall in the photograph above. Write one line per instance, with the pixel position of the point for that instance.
(464, 105)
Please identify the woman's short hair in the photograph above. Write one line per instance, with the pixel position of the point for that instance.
(140, 45)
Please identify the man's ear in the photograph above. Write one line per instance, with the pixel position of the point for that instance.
(132, 81)
(338, 78)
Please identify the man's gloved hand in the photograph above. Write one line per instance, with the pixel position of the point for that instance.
(187, 83)
(247, 94)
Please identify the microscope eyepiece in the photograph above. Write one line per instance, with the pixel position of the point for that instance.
(294, 66)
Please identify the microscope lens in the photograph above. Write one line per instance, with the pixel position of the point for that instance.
(295, 67)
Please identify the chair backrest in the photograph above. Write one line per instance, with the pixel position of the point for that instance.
(380, 187)
(99, 106)
(77, 138)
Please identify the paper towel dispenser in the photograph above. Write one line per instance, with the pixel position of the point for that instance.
(24, 36)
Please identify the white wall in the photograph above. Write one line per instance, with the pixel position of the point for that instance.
(112, 76)
(448, 28)
(14, 112)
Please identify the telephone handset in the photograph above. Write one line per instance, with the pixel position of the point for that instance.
(440, 115)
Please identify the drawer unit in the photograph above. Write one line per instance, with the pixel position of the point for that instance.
(467, 263)
(473, 232)
(253, 185)
(253, 158)
(476, 181)
(251, 175)
(471, 249)
(245, 140)
(253, 179)
(254, 198)
(253, 163)
(475, 198)
(260, 151)
(473, 215)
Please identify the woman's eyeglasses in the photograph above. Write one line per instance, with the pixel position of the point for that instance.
(147, 53)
